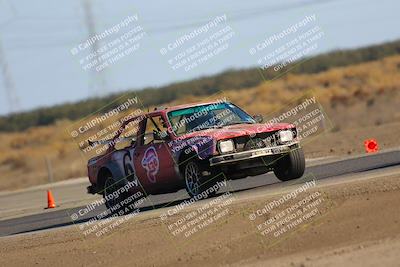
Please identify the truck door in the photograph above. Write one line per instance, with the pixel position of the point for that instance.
(153, 162)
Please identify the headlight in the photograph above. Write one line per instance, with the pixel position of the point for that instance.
(285, 136)
(226, 146)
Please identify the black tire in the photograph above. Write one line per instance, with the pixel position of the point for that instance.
(195, 183)
(113, 203)
(291, 166)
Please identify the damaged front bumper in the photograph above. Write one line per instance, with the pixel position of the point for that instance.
(252, 154)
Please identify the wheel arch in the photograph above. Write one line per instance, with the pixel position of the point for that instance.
(186, 154)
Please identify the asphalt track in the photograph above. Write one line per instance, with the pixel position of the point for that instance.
(60, 218)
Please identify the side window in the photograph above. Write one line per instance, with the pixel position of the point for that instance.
(128, 136)
(154, 124)
(180, 128)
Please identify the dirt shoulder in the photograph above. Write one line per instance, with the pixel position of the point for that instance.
(357, 222)
(375, 253)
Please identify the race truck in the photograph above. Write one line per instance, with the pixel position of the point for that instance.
(192, 146)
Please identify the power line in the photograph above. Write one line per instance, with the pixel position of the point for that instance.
(236, 16)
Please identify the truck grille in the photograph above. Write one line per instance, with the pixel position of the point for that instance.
(244, 143)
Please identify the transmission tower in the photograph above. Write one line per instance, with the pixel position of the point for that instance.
(97, 80)
(11, 92)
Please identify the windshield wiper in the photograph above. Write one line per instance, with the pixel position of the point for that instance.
(206, 128)
(213, 127)
(238, 122)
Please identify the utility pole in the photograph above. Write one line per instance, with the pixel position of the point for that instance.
(49, 170)
(11, 92)
(97, 79)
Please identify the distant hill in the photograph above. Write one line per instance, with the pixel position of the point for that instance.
(228, 80)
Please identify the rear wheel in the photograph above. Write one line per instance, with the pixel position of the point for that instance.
(291, 166)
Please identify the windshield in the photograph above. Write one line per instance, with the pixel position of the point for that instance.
(214, 115)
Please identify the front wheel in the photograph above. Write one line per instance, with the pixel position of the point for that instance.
(291, 166)
(195, 183)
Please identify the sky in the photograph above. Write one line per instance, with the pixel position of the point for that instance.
(37, 38)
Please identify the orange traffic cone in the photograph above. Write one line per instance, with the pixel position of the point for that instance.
(50, 200)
